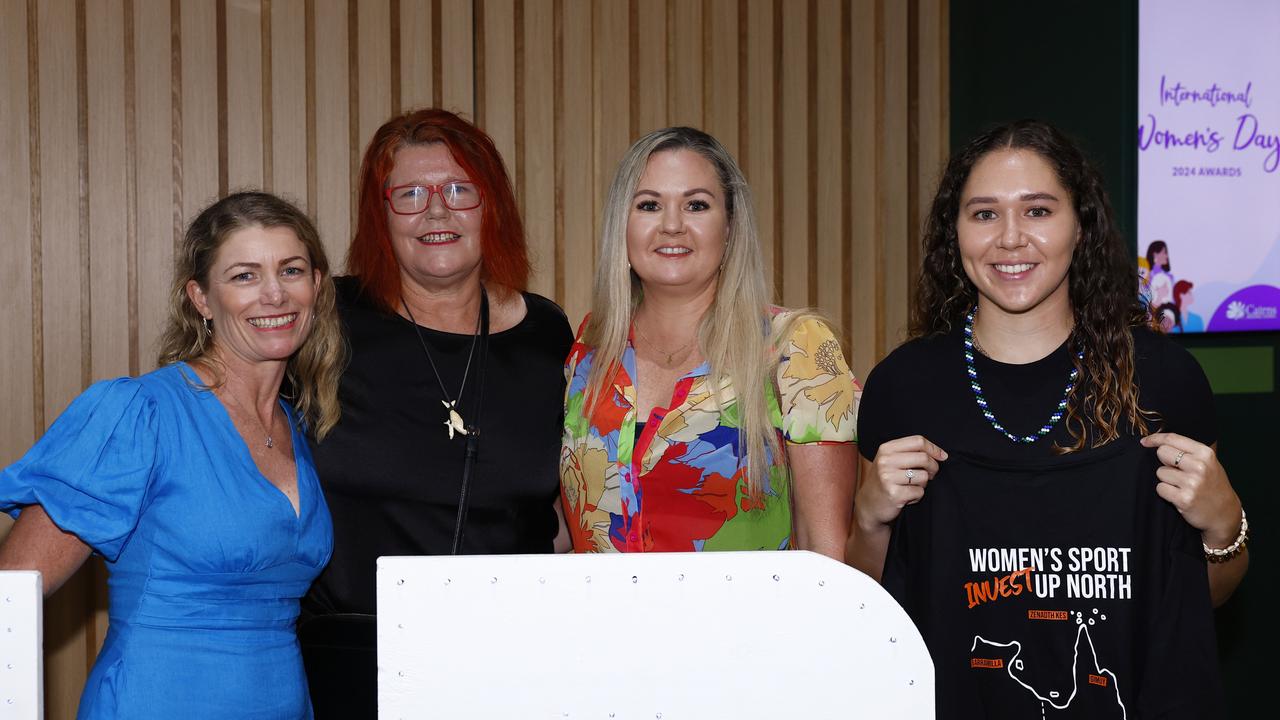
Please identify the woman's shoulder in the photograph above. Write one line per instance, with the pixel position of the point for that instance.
(1157, 354)
(158, 383)
(1172, 384)
(803, 328)
(918, 356)
(544, 310)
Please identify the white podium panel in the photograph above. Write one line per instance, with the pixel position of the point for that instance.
(21, 635)
(668, 636)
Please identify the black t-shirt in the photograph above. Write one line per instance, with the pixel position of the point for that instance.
(922, 389)
(390, 473)
(1057, 587)
(1002, 645)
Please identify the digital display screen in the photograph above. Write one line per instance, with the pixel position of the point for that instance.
(1209, 163)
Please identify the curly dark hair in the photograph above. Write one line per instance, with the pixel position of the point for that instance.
(1102, 281)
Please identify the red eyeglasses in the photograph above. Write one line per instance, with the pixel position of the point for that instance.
(413, 199)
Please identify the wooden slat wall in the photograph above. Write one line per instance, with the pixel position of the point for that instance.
(120, 119)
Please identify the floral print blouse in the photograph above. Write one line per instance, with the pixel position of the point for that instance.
(682, 484)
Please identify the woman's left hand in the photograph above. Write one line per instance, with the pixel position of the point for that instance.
(1194, 482)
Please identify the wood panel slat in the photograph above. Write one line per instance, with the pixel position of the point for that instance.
(759, 103)
(497, 92)
(416, 86)
(793, 156)
(649, 94)
(575, 179)
(289, 100)
(829, 194)
(374, 68)
(684, 62)
(538, 162)
(154, 177)
(17, 357)
(457, 41)
(61, 258)
(892, 180)
(108, 230)
(931, 116)
(611, 96)
(720, 75)
(334, 184)
(199, 107)
(244, 77)
(862, 198)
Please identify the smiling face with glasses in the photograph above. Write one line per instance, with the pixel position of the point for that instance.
(434, 218)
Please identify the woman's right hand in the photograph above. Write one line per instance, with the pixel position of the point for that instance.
(900, 473)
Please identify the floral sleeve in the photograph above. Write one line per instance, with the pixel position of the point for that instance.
(818, 395)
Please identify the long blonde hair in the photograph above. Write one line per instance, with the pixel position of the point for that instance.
(315, 369)
(733, 335)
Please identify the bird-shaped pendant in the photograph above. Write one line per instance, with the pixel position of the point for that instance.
(454, 423)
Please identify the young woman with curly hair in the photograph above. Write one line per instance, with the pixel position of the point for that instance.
(1033, 414)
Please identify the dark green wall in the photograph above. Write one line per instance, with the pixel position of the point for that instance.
(1076, 65)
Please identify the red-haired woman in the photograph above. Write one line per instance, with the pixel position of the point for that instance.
(450, 430)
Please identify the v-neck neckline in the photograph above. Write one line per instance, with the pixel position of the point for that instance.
(233, 437)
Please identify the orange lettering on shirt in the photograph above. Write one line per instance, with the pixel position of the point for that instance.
(1047, 615)
(998, 587)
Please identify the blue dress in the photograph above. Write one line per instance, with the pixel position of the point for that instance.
(207, 558)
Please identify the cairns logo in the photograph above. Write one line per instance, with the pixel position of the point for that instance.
(1237, 310)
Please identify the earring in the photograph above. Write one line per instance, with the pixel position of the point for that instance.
(208, 327)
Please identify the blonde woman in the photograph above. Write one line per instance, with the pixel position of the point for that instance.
(195, 482)
(698, 416)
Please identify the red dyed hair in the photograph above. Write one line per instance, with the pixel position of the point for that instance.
(1180, 288)
(504, 258)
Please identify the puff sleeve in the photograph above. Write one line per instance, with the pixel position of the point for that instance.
(817, 393)
(92, 470)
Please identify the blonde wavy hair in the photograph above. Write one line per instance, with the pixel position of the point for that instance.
(734, 334)
(314, 370)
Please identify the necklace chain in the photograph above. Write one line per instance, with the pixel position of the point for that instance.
(969, 344)
(270, 442)
(654, 345)
(454, 422)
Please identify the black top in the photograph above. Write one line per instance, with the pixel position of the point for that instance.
(922, 389)
(390, 473)
(1059, 587)
(1066, 637)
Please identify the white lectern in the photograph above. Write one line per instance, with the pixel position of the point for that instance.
(21, 637)
(670, 636)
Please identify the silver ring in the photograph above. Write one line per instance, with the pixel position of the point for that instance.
(910, 476)
(1179, 458)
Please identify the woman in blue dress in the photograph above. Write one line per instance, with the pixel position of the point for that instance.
(195, 482)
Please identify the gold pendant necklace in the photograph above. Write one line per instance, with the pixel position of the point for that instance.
(654, 345)
(454, 423)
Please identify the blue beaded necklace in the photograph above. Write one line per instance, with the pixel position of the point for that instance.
(982, 401)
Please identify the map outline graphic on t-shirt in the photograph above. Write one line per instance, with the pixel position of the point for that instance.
(1082, 628)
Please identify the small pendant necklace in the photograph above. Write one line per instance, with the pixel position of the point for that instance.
(270, 442)
(654, 345)
(969, 342)
(454, 423)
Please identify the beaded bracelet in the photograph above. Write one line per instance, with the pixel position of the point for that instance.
(1221, 555)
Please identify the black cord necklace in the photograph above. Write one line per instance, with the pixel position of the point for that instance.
(454, 423)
